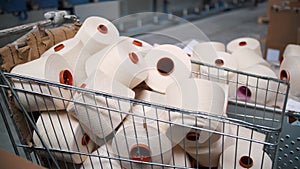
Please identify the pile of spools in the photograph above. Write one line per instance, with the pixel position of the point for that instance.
(97, 58)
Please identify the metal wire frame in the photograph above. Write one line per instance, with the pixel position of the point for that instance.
(238, 116)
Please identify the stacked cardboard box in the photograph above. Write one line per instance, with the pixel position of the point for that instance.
(283, 28)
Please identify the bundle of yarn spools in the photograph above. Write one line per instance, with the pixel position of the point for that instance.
(98, 59)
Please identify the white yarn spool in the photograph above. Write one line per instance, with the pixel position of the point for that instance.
(244, 42)
(242, 157)
(289, 71)
(207, 154)
(180, 158)
(101, 121)
(101, 162)
(291, 50)
(166, 64)
(222, 60)
(195, 95)
(68, 49)
(95, 34)
(206, 52)
(138, 141)
(122, 61)
(61, 131)
(247, 133)
(253, 89)
(152, 97)
(54, 69)
(247, 57)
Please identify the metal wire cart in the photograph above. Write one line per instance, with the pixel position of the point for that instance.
(246, 136)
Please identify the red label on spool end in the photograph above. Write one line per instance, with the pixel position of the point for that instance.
(134, 57)
(284, 75)
(59, 47)
(65, 77)
(246, 162)
(243, 43)
(102, 28)
(137, 43)
(140, 152)
(85, 139)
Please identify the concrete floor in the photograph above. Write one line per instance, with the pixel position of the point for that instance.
(222, 27)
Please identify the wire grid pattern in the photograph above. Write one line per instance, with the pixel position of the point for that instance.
(262, 118)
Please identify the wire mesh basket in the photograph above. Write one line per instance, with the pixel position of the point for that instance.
(245, 136)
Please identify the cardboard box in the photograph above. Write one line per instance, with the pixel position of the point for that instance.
(282, 30)
(290, 3)
(294, 3)
(298, 39)
(271, 3)
(12, 161)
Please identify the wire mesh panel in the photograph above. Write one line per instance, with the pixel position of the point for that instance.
(70, 127)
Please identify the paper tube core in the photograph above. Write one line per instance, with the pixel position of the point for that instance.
(65, 77)
(140, 152)
(137, 43)
(243, 43)
(244, 93)
(83, 85)
(85, 139)
(246, 162)
(219, 62)
(133, 57)
(165, 66)
(102, 28)
(284, 75)
(59, 47)
(192, 136)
